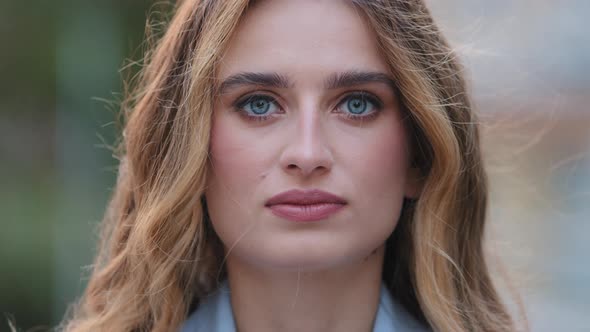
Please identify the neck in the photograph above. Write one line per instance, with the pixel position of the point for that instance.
(343, 299)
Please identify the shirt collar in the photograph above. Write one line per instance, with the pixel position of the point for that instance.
(214, 314)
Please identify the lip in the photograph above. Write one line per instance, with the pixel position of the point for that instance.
(305, 205)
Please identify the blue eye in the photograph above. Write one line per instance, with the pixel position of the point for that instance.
(359, 104)
(258, 105)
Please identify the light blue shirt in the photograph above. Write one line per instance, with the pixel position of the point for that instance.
(215, 314)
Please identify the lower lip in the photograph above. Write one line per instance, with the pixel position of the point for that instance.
(305, 213)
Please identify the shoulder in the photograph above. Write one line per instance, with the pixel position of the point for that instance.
(393, 317)
(213, 314)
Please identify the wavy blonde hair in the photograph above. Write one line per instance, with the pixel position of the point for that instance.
(159, 255)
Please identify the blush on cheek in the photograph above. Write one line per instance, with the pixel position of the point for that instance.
(386, 163)
(236, 159)
(228, 149)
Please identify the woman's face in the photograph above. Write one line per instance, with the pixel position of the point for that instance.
(306, 104)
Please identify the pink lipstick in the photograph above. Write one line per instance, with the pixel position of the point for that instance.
(305, 205)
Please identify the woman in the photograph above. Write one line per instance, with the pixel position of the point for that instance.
(297, 166)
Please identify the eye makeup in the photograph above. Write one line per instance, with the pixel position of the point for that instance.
(260, 107)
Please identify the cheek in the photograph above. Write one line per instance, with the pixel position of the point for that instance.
(237, 168)
(379, 161)
(384, 173)
(236, 158)
(230, 169)
(388, 163)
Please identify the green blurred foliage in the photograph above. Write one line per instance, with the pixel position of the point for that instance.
(60, 87)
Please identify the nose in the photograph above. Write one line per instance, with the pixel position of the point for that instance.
(307, 152)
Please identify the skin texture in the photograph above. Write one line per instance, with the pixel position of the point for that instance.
(295, 273)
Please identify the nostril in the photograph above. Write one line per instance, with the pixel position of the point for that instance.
(292, 166)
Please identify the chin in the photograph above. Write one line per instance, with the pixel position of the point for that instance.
(298, 256)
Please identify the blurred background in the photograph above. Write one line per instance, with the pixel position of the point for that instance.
(528, 62)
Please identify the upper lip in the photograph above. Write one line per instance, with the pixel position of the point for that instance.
(305, 197)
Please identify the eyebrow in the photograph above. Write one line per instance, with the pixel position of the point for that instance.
(334, 81)
(273, 80)
(352, 78)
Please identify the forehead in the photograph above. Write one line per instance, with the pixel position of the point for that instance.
(302, 36)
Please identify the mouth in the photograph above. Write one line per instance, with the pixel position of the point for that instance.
(305, 205)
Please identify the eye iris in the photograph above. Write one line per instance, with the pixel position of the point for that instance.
(357, 105)
(259, 106)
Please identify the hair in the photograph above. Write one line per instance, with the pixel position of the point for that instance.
(158, 255)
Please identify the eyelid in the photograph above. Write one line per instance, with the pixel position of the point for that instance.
(243, 100)
(270, 95)
(372, 98)
(349, 94)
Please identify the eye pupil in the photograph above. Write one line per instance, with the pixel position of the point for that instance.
(357, 105)
(260, 106)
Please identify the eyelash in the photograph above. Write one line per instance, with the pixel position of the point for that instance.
(378, 105)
